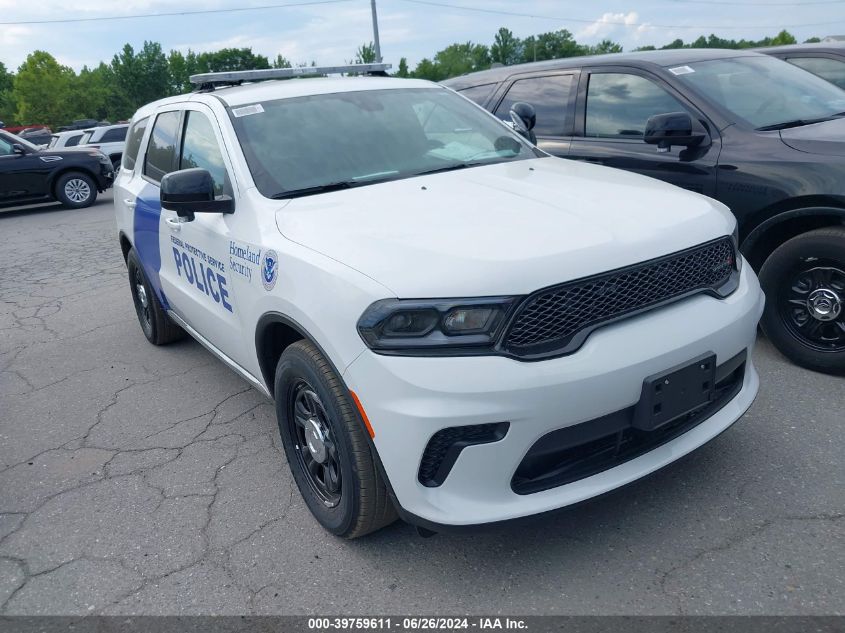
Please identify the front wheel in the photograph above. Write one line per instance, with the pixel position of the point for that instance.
(76, 190)
(325, 443)
(804, 282)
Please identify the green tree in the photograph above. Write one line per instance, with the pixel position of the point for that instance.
(231, 59)
(281, 62)
(506, 48)
(181, 67)
(551, 45)
(141, 77)
(41, 90)
(604, 47)
(459, 59)
(403, 69)
(94, 95)
(366, 54)
(7, 102)
(812, 40)
(783, 38)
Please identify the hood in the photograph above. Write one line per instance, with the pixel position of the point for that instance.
(509, 228)
(826, 138)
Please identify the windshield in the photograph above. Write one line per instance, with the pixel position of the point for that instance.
(307, 144)
(764, 91)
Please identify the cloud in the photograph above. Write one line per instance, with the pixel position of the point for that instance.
(610, 23)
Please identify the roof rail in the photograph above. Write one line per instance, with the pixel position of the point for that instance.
(207, 81)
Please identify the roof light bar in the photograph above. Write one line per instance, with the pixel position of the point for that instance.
(285, 73)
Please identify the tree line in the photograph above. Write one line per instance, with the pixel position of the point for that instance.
(43, 91)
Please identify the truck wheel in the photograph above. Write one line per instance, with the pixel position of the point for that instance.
(76, 190)
(326, 445)
(804, 282)
(156, 325)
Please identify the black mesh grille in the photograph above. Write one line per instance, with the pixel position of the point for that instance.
(444, 447)
(552, 318)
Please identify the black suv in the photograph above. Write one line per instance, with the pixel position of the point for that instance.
(762, 136)
(826, 59)
(29, 175)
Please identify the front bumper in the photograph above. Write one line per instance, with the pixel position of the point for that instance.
(409, 399)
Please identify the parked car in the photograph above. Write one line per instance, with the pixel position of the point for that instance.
(109, 139)
(764, 137)
(81, 124)
(60, 140)
(36, 135)
(827, 60)
(30, 175)
(442, 313)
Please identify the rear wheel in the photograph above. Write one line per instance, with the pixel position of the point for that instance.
(76, 190)
(155, 324)
(326, 446)
(804, 282)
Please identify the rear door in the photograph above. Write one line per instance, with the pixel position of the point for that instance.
(553, 97)
(613, 106)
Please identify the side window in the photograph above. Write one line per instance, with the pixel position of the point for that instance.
(478, 94)
(72, 141)
(833, 70)
(200, 149)
(114, 136)
(5, 147)
(549, 96)
(618, 104)
(133, 142)
(162, 147)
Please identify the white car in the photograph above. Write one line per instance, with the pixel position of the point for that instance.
(454, 326)
(109, 139)
(63, 140)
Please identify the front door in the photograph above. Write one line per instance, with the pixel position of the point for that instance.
(194, 251)
(22, 176)
(612, 111)
(552, 96)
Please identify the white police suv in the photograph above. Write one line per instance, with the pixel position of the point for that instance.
(455, 327)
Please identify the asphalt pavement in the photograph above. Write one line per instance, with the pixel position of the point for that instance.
(146, 480)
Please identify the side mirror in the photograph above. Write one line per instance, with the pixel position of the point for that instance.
(673, 128)
(190, 191)
(19, 149)
(524, 119)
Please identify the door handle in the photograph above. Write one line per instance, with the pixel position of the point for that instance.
(174, 224)
(129, 202)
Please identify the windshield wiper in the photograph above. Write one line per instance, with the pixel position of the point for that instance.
(799, 122)
(308, 191)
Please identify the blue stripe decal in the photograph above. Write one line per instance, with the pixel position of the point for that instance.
(146, 227)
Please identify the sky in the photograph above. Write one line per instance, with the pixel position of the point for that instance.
(329, 33)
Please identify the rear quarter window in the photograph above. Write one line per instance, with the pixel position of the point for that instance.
(479, 94)
(161, 152)
(133, 142)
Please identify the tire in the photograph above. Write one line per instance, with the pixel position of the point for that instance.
(115, 164)
(353, 499)
(155, 324)
(76, 190)
(804, 282)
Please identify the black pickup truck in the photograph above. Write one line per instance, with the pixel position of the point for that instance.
(29, 175)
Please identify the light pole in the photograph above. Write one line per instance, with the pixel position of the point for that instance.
(375, 31)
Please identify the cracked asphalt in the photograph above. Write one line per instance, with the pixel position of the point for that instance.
(143, 480)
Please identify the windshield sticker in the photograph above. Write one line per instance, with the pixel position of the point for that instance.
(255, 108)
(681, 70)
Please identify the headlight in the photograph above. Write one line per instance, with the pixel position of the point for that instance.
(434, 327)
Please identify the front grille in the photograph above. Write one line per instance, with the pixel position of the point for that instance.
(558, 319)
(443, 448)
(583, 450)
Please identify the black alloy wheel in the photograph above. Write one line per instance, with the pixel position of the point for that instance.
(316, 450)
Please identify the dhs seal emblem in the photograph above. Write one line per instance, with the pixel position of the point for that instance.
(269, 269)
